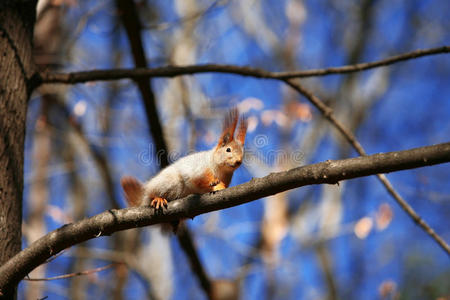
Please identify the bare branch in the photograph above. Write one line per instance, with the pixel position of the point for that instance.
(173, 71)
(189, 18)
(106, 223)
(86, 272)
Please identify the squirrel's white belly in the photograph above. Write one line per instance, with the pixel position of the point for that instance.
(176, 181)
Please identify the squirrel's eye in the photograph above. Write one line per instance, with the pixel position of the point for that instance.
(228, 149)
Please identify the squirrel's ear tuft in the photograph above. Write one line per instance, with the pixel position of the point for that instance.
(229, 126)
(224, 139)
(230, 122)
(242, 130)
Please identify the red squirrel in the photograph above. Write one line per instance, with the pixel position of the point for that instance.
(197, 173)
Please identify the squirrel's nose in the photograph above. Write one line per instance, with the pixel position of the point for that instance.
(238, 163)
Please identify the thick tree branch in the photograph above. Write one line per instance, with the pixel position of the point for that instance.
(173, 71)
(106, 223)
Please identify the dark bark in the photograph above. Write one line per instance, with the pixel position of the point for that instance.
(106, 223)
(187, 244)
(16, 82)
(130, 20)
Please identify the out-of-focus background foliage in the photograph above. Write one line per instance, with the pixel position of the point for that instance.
(350, 241)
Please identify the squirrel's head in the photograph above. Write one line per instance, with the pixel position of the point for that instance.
(229, 151)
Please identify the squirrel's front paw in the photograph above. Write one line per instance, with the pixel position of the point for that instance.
(214, 182)
(158, 202)
(219, 186)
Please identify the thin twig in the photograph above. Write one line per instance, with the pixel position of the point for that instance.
(87, 272)
(189, 18)
(173, 71)
(52, 258)
(328, 114)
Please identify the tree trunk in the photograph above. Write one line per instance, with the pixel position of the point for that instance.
(16, 69)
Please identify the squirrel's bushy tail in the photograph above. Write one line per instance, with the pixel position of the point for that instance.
(134, 190)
